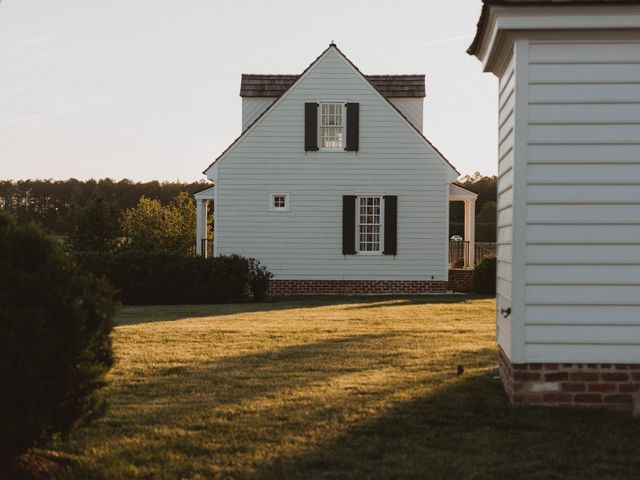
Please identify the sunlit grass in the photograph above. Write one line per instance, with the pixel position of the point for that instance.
(330, 388)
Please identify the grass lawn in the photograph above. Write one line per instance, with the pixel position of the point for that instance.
(331, 388)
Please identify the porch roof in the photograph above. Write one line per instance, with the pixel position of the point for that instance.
(459, 194)
(206, 194)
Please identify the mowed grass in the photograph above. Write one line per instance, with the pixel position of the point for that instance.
(331, 388)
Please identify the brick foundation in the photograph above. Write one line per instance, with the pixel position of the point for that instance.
(571, 384)
(356, 287)
(460, 280)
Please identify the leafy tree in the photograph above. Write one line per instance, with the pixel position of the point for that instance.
(486, 222)
(153, 226)
(95, 227)
(55, 345)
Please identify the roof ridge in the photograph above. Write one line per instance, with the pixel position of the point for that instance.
(261, 85)
(335, 47)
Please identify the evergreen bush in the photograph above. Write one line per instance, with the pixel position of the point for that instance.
(484, 276)
(55, 345)
(259, 278)
(163, 278)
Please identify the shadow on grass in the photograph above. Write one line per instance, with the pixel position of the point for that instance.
(134, 315)
(399, 301)
(469, 430)
(241, 378)
(223, 410)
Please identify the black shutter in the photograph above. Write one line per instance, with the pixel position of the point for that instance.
(310, 127)
(390, 225)
(353, 127)
(349, 225)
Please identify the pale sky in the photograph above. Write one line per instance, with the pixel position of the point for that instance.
(149, 89)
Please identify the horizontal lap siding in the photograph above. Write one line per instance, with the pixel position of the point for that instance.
(412, 108)
(582, 288)
(505, 202)
(306, 242)
(252, 108)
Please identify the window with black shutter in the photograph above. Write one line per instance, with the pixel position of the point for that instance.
(349, 225)
(390, 225)
(310, 127)
(353, 127)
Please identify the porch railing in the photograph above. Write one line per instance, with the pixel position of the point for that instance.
(206, 247)
(459, 252)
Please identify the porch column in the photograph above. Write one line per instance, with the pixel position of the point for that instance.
(201, 225)
(470, 231)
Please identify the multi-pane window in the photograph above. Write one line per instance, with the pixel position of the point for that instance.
(331, 125)
(369, 224)
(279, 202)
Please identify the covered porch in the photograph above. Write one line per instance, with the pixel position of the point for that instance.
(205, 199)
(462, 253)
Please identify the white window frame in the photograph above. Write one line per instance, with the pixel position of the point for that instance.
(343, 104)
(287, 203)
(358, 224)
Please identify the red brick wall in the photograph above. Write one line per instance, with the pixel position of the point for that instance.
(355, 287)
(571, 384)
(460, 280)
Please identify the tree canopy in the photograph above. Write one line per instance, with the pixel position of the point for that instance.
(153, 226)
(50, 203)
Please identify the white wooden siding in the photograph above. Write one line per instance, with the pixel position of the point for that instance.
(306, 242)
(582, 282)
(412, 108)
(506, 124)
(252, 108)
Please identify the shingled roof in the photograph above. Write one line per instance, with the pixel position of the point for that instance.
(487, 4)
(391, 86)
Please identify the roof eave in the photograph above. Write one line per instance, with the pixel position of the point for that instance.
(475, 49)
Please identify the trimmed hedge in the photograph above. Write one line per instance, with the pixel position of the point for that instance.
(484, 276)
(162, 278)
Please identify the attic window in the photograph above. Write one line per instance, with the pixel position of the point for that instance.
(331, 126)
(279, 202)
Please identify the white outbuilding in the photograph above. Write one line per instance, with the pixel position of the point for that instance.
(568, 286)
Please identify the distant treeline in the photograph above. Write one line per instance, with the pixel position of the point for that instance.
(51, 202)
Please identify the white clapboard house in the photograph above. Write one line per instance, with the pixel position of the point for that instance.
(332, 184)
(568, 321)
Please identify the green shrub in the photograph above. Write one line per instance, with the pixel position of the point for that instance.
(259, 278)
(55, 346)
(484, 275)
(163, 278)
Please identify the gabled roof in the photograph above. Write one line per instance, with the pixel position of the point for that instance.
(391, 86)
(487, 4)
(306, 70)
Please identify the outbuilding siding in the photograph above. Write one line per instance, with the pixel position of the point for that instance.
(507, 98)
(306, 242)
(582, 284)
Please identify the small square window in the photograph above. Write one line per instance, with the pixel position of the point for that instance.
(279, 202)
